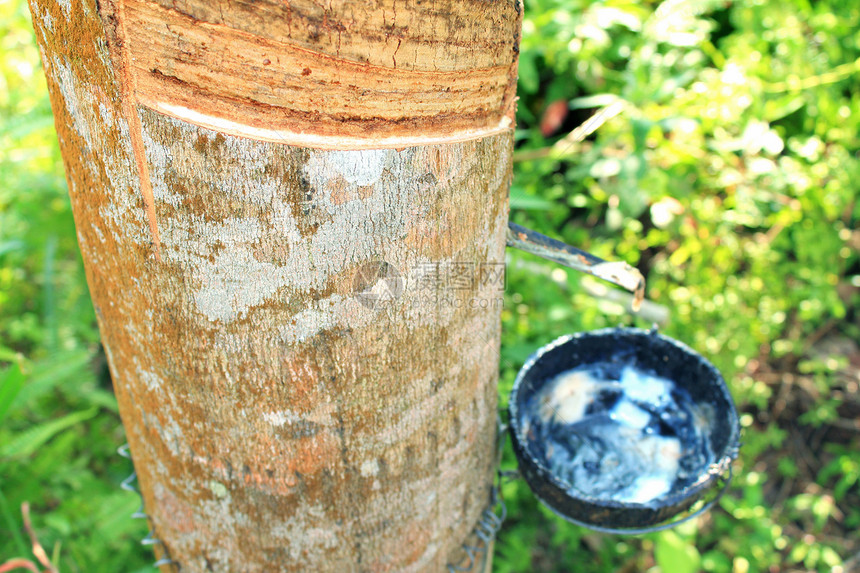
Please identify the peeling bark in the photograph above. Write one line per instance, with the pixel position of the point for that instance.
(303, 341)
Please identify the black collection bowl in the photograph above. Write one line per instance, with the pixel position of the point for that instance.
(648, 350)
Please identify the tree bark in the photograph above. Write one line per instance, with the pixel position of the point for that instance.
(292, 218)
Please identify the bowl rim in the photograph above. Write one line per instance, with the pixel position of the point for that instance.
(704, 482)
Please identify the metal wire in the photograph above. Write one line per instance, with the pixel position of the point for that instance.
(486, 529)
(150, 538)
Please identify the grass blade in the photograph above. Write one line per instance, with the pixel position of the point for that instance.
(11, 382)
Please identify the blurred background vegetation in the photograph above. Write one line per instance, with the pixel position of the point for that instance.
(720, 155)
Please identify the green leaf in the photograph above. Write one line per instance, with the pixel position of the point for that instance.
(28, 441)
(675, 555)
(9, 246)
(530, 202)
(774, 110)
(7, 354)
(11, 382)
(50, 373)
(529, 79)
(12, 524)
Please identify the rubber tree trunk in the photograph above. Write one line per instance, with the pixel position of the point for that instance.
(292, 219)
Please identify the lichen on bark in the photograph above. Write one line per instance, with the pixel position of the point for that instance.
(286, 407)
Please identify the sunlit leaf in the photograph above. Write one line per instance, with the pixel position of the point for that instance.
(26, 443)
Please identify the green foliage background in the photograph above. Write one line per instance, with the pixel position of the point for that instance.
(729, 175)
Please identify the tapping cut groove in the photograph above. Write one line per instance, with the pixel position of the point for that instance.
(272, 82)
(129, 108)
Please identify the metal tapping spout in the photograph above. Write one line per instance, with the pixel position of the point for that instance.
(618, 273)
